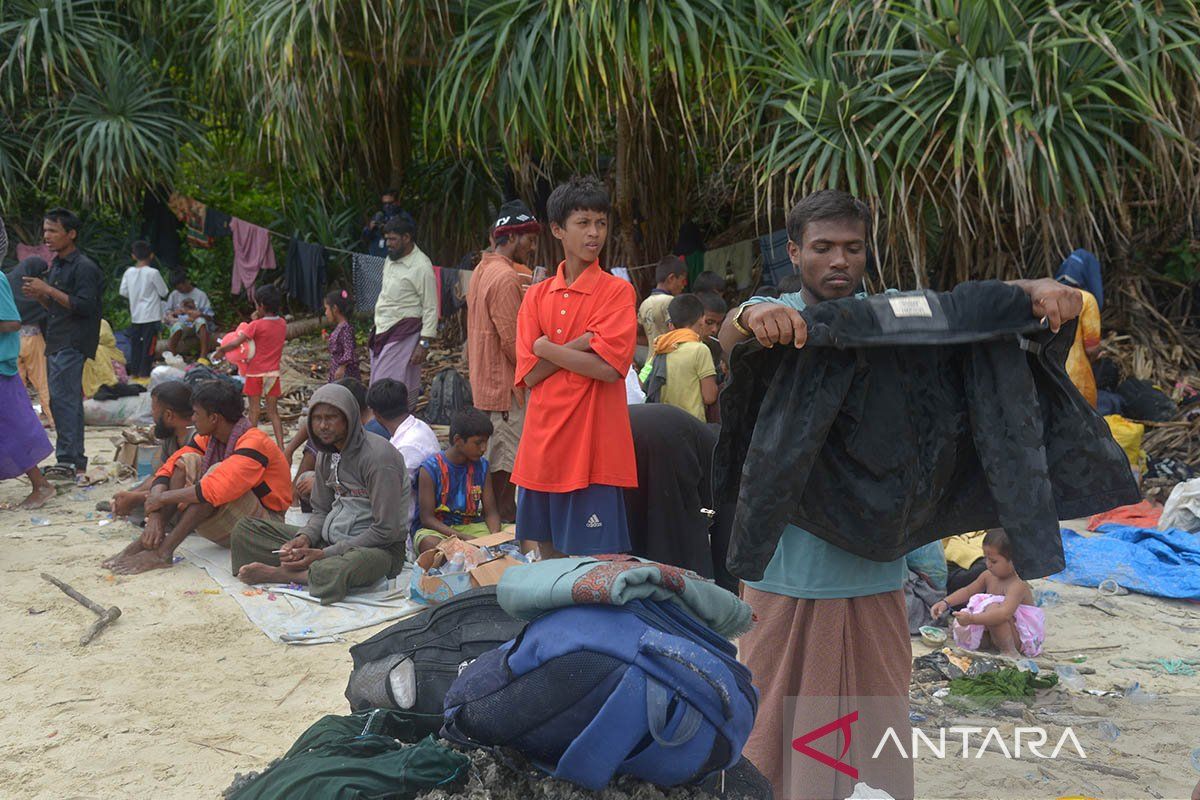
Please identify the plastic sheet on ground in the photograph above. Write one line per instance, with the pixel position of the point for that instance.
(1160, 563)
(295, 616)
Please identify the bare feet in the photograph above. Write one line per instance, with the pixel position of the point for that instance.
(142, 562)
(132, 549)
(38, 497)
(265, 573)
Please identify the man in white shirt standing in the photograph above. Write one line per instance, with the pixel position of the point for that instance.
(145, 289)
(406, 314)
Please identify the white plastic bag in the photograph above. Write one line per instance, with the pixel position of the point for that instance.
(164, 373)
(1182, 510)
(122, 411)
(633, 389)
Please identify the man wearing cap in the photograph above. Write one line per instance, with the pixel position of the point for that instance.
(493, 299)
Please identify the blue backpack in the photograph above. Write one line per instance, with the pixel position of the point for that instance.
(592, 691)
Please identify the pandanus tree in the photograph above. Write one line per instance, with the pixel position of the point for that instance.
(991, 137)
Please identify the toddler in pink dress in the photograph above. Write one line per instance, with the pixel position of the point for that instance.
(1000, 609)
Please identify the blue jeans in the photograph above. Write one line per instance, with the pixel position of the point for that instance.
(66, 403)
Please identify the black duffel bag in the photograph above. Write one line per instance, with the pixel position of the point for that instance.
(411, 664)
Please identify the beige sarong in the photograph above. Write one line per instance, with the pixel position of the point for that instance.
(815, 662)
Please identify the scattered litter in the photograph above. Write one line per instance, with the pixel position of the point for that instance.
(104, 505)
(295, 586)
(1028, 665)
(80, 495)
(933, 636)
(39, 521)
(1047, 598)
(52, 734)
(1135, 694)
(176, 559)
(1196, 759)
(110, 578)
(90, 515)
(34, 611)
(190, 592)
(270, 595)
(1079, 659)
(1108, 731)
(863, 791)
(915, 716)
(1070, 677)
(104, 522)
(212, 591)
(1110, 587)
(942, 692)
(252, 592)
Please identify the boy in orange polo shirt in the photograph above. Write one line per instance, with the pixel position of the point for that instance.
(576, 333)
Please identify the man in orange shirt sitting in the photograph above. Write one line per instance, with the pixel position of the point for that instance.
(576, 333)
(228, 471)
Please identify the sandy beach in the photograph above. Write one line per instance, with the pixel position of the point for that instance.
(182, 692)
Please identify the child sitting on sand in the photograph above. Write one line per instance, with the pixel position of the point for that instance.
(1000, 608)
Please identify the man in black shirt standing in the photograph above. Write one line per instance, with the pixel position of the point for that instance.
(71, 294)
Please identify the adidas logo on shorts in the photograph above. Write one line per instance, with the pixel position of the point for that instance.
(594, 522)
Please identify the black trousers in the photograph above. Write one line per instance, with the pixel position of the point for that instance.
(141, 334)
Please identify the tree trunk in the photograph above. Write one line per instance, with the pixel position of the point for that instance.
(629, 253)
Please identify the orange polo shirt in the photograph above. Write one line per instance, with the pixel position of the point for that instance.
(576, 430)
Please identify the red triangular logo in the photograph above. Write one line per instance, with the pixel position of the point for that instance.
(843, 724)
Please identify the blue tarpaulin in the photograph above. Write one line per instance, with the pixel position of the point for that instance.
(1160, 563)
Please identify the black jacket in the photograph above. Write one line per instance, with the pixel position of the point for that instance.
(879, 447)
(76, 327)
(666, 511)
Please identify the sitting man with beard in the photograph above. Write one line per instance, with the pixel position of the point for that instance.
(171, 407)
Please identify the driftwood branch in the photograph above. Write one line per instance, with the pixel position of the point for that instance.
(106, 616)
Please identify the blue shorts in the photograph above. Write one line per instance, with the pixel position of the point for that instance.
(585, 522)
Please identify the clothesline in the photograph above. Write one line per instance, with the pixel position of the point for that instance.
(279, 235)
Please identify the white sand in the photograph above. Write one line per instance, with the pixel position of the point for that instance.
(182, 691)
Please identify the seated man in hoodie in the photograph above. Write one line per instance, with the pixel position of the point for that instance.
(360, 499)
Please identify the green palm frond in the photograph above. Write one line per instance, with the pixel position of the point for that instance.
(45, 42)
(117, 133)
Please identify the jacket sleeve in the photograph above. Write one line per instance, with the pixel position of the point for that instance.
(321, 500)
(387, 485)
(429, 302)
(86, 299)
(124, 290)
(239, 473)
(614, 329)
(196, 444)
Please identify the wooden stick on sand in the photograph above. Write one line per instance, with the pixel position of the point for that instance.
(106, 615)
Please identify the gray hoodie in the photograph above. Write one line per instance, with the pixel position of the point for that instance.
(368, 505)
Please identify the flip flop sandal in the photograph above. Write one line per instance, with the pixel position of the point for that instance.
(59, 472)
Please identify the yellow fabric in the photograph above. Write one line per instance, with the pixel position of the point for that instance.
(1087, 334)
(687, 365)
(1129, 435)
(99, 371)
(669, 341)
(964, 549)
(468, 530)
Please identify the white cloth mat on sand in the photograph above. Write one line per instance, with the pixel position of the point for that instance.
(295, 616)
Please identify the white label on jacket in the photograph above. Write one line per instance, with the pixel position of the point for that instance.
(911, 306)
